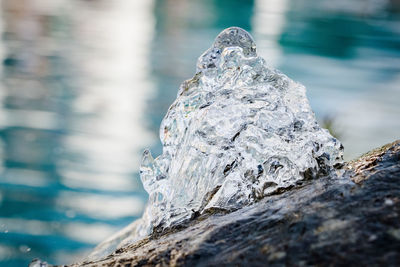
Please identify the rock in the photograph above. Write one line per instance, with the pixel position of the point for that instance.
(349, 217)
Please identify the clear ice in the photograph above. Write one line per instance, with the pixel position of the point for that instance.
(238, 131)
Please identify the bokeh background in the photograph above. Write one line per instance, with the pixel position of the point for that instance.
(85, 84)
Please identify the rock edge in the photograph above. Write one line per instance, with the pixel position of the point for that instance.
(350, 217)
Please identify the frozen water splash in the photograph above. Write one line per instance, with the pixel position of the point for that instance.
(238, 131)
(231, 37)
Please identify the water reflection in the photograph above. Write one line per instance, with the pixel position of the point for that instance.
(85, 85)
(347, 54)
(268, 21)
(73, 95)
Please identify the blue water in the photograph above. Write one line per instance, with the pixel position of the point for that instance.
(85, 84)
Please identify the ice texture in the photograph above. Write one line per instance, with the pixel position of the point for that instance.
(238, 131)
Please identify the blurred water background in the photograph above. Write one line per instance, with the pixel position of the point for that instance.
(85, 83)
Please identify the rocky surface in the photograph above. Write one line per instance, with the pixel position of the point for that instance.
(349, 217)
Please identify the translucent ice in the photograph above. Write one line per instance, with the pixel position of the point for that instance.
(238, 131)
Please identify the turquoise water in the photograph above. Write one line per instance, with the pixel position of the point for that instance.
(85, 84)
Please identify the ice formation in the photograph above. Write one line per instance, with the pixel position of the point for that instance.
(238, 131)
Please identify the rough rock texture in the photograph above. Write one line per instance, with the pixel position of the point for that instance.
(349, 217)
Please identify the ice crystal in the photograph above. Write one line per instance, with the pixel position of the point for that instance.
(238, 131)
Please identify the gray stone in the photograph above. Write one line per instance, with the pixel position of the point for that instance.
(351, 216)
